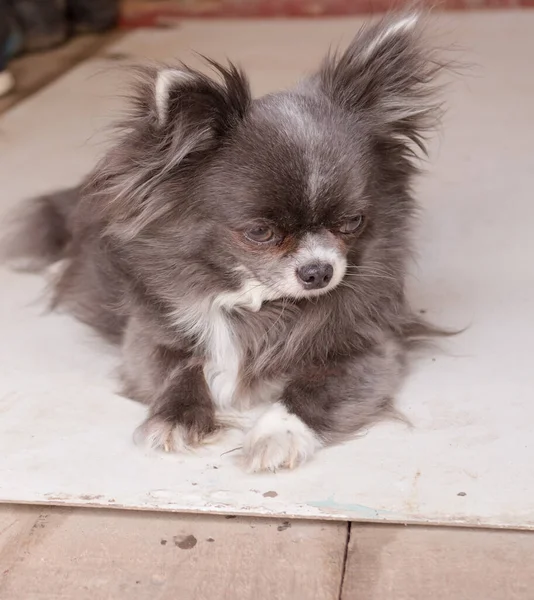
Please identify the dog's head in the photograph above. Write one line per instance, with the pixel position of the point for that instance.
(291, 194)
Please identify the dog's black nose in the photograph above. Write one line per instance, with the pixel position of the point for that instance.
(315, 276)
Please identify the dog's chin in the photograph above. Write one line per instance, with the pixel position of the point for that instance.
(316, 293)
(304, 294)
(294, 291)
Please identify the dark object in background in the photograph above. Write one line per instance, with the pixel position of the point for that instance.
(43, 22)
(47, 23)
(10, 42)
(92, 15)
(10, 34)
(33, 25)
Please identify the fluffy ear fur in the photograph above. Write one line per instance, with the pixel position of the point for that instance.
(386, 75)
(176, 117)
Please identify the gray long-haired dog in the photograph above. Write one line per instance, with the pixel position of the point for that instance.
(247, 252)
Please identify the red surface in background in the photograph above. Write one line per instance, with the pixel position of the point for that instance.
(143, 13)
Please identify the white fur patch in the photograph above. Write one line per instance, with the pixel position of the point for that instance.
(316, 179)
(313, 249)
(55, 270)
(210, 323)
(165, 81)
(402, 25)
(157, 434)
(222, 370)
(294, 120)
(251, 295)
(297, 123)
(278, 440)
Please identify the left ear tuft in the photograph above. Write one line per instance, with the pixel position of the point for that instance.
(167, 83)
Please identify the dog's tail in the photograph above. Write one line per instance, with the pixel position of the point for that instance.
(40, 234)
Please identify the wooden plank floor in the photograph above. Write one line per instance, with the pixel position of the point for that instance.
(438, 563)
(86, 554)
(95, 554)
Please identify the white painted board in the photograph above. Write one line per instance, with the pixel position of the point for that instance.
(65, 436)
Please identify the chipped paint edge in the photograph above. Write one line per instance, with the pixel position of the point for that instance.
(311, 511)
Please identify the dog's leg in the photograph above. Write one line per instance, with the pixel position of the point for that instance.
(181, 414)
(324, 406)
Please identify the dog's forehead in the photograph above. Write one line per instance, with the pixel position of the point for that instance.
(292, 162)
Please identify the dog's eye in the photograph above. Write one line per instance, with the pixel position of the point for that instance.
(353, 225)
(260, 234)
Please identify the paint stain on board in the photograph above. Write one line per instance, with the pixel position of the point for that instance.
(185, 542)
(285, 525)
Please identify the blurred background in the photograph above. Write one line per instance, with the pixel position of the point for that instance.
(71, 30)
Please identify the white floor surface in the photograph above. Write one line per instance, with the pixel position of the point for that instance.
(65, 437)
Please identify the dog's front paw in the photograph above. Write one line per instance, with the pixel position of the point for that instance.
(157, 433)
(279, 440)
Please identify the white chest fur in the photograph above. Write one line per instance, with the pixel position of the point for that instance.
(212, 324)
(222, 368)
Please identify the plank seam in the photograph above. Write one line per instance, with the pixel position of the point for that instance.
(345, 560)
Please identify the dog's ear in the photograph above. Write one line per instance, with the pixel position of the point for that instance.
(387, 75)
(194, 109)
(176, 117)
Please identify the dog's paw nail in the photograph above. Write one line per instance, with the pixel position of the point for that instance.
(283, 450)
(158, 434)
(278, 440)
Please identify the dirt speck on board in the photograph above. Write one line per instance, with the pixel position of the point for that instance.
(270, 494)
(230, 517)
(461, 494)
(210, 539)
(285, 525)
(163, 542)
(185, 542)
(40, 523)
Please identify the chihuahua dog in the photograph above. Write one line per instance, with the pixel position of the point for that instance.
(252, 252)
